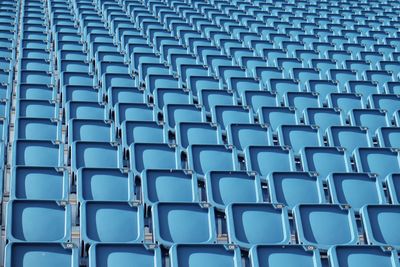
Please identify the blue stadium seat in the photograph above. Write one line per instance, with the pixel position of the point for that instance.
(301, 100)
(205, 158)
(39, 183)
(125, 95)
(79, 93)
(177, 113)
(346, 102)
(111, 222)
(172, 223)
(169, 186)
(210, 98)
(196, 133)
(257, 99)
(363, 88)
(382, 161)
(226, 187)
(390, 103)
(36, 109)
(323, 118)
(393, 185)
(141, 132)
(362, 255)
(323, 89)
(90, 130)
(267, 159)
(95, 154)
(276, 116)
(153, 156)
(244, 134)
(299, 136)
(165, 96)
(389, 137)
(38, 221)
(19, 254)
(372, 119)
(38, 129)
(37, 153)
(35, 91)
(325, 160)
(132, 112)
(226, 115)
(286, 255)
(113, 255)
(197, 255)
(349, 137)
(246, 224)
(380, 224)
(104, 184)
(315, 224)
(85, 110)
(292, 188)
(355, 189)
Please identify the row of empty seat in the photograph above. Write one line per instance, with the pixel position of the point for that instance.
(200, 133)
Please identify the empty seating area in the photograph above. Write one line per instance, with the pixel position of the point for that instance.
(200, 133)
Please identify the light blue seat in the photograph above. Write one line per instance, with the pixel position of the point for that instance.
(382, 161)
(95, 154)
(114, 255)
(132, 112)
(345, 102)
(111, 222)
(381, 225)
(323, 89)
(177, 113)
(195, 133)
(21, 254)
(210, 98)
(284, 255)
(316, 223)
(273, 117)
(125, 95)
(362, 255)
(323, 118)
(267, 159)
(389, 137)
(363, 88)
(304, 75)
(257, 99)
(141, 132)
(79, 93)
(393, 184)
(342, 77)
(247, 222)
(36, 109)
(355, 189)
(39, 183)
(109, 80)
(390, 103)
(299, 136)
(35, 92)
(293, 188)
(85, 110)
(205, 158)
(90, 130)
(226, 187)
(153, 156)
(38, 153)
(200, 255)
(301, 100)
(243, 135)
(38, 221)
(349, 137)
(226, 115)
(38, 129)
(183, 223)
(104, 184)
(325, 160)
(169, 186)
(283, 86)
(165, 96)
